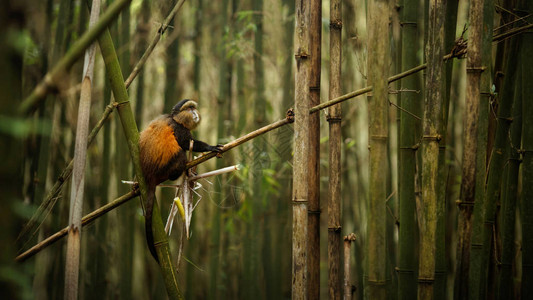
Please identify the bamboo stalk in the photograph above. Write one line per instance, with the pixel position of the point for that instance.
(288, 119)
(78, 179)
(482, 139)
(442, 252)
(431, 125)
(132, 135)
(409, 131)
(498, 159)
(313, 260)
(509, 197)
(348, 286)
(468, 181)
(334, 118)
(527, 150)
(301, 153)
(54, 76)
(86, 220)
(378, 65)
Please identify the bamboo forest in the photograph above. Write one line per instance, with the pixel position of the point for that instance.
(266, 149)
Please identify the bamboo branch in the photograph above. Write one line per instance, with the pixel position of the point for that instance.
(510, 33)
(288, 119)
(52, 79)
(86, 220)
(368, 89)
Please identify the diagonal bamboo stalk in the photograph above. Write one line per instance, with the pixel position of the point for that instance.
(288, 119)
(86, 220)
(51, 80)
(132, 136)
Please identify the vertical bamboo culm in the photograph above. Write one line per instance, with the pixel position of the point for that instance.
(334, 118)
(78, 172)
(315, 35)
(468, 181)
(527, 149)
(378, 65)
(348, 287)
(301, 153)
(409, 133)
(431, 123)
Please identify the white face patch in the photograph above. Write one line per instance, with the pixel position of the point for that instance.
(195, 116)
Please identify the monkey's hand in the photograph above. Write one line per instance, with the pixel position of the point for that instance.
(217, 148)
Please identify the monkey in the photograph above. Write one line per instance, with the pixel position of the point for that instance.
(162, 148)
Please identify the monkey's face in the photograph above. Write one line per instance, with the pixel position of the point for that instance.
(188, 115)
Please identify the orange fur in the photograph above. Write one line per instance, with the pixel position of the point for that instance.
(158, 144)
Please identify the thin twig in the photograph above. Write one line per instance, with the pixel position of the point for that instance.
(405, 111)
(510, 33)
(154, 42)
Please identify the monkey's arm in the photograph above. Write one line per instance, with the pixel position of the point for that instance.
(200, 146)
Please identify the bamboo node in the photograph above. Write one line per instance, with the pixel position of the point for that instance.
(119, 104)
(156, 244)
(301, 54)
(336, 24)
(436, 138)
(377, 282)
(313, 212)
(475, 69)
(403, 271)
(379, 137)
(334, 229)
(298, 201)
(426, 280)
(461, 203)
(111, 106)
(350, 237)
(332, 119)
(414, 24)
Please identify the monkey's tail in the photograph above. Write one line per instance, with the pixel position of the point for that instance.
(148, 221)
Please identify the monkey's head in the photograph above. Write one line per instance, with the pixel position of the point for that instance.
(186, 114)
